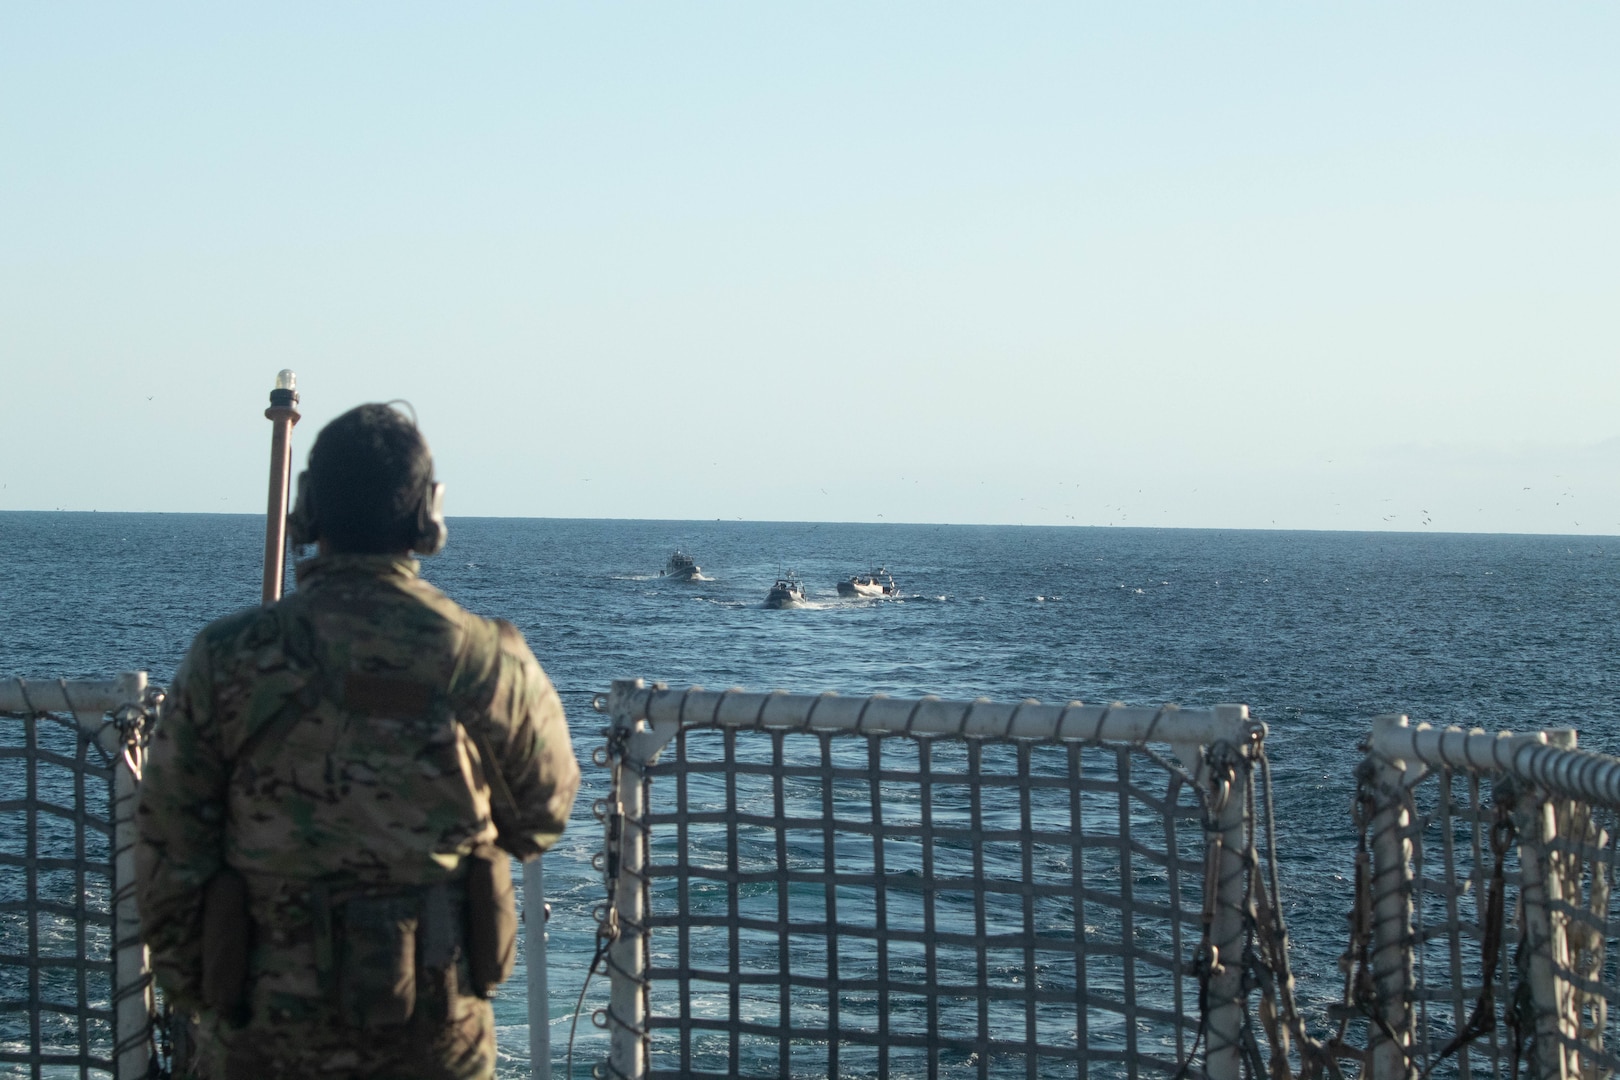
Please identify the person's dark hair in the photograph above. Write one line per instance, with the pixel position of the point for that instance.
(368, 471)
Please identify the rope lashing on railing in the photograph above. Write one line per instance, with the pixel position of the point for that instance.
(1552, 1006)
(1483, 1019)
(1264, 961)
(1364, 980)
(1415, 947)
(1279, 1007)
(134, 723)
(1573, 774)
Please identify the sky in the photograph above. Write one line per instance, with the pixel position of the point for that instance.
(1328, 266)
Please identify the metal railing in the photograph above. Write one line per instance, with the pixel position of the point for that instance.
(817, 884)
(927, 887)
(1492, 915)
(75, 989)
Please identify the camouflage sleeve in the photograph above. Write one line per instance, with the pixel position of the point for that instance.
(531, 741)
(180, 820)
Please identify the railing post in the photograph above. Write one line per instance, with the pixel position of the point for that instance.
(626, 821)
(1391, 1037)
(133, 1006)
(534, 962)
(1228, 772)
(1557, 1025)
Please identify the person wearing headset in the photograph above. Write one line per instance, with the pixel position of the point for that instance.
(334, 787)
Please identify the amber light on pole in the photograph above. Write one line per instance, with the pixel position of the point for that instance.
(282, 414)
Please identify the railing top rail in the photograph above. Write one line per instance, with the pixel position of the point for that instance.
(669, 710)
(1579, 774)
(86, 699)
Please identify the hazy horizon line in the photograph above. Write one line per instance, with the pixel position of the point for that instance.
(453, 518)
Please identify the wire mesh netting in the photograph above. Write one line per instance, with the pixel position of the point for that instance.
(896, 906)
(55, 899)
(1510, 876)
(1585, 921)
(1466, 930)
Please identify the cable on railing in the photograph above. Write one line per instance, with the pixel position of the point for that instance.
(605, 861)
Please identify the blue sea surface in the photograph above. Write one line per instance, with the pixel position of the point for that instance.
(1316, 632)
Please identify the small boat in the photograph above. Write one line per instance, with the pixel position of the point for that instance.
(877, 582)
(787, 592)
(681, 567)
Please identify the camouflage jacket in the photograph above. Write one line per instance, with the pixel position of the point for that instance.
(340, 735)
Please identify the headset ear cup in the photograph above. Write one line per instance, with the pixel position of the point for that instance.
(301, 523)
(431, 530)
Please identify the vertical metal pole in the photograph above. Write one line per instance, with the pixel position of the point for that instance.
(1391, 919)
(534, 959)
(282, 414)
(1542, 938)
(31, 884)
(626, 850)
(1229, 845)
(1557, 1025)
(133, 1005)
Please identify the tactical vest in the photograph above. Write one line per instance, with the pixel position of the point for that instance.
(359, 803)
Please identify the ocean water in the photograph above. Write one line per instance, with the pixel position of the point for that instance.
(1316, 632)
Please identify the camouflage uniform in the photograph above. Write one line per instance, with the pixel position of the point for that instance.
(312, 745)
